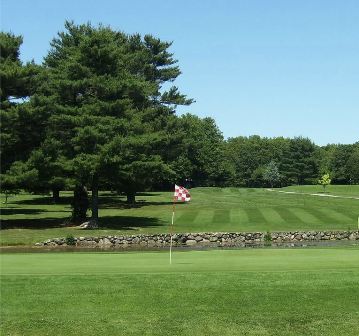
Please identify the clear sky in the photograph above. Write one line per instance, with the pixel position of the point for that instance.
(266, 67)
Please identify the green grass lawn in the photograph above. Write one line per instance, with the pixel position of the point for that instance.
(31, 218)
(219, 292)
(340, 190)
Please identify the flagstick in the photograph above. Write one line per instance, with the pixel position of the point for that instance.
(171, 230)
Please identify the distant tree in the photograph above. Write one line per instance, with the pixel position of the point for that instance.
(16, 178)
(198, 152)
(248, 157)
(9, 185)
(325, 180)
(271, 174)
(338, 164)
(299, 164)
(244, 154)
(352, 166)
(257, 177)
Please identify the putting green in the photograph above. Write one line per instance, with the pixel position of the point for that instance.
(227, 292)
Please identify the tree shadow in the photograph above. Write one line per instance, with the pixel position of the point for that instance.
(128, 222)
(45, 200)
(39, 223)
(105, 223)
(106, 201)
(112, 194)
(19, 211)
(111, 203)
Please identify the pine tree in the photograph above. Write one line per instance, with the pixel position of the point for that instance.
(18, 81)
(107, 109)
(298, 164)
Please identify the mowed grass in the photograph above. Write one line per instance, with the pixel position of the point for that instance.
(32, 218)
(218, 292)
(339, 190)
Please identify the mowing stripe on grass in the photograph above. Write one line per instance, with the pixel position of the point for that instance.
(307, 217)
(204, 217)
(324, 216)
(187, 217)
(255, 216)
(238, 217)
(288, 216)
(227, 191)
(336, 215)
(272, 215)
(222, 216)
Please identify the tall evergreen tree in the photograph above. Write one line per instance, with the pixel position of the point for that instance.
(18, 122)
(108, 110)
(299, 165)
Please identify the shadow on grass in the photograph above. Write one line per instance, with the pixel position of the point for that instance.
(110, 203)
(39, 223)
(45, 200)
(110, 194)
(105, 223)
(19, 211)
(105, 202)
(128, 222)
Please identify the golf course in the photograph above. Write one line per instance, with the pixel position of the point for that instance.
(27, 218)
(263, 291)
(179, 168)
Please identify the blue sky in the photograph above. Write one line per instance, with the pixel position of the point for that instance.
(266, 67)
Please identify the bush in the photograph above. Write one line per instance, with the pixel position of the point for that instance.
(70, 240)
(267, 238)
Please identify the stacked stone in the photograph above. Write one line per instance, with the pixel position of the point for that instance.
(205, 239)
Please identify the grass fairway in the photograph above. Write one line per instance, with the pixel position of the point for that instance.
(211, 209)
(220, 292)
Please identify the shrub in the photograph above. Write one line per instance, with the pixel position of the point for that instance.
(267, 238)
(70, 240)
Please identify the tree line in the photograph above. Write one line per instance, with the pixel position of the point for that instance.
(100, 113)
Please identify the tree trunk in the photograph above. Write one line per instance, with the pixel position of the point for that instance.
(56, 195)
(94, 205)
(131, 197)
(80, 204)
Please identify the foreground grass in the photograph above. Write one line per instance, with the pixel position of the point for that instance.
(226, 292)
(31, 218)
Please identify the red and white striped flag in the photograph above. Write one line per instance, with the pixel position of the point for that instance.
(181, 194)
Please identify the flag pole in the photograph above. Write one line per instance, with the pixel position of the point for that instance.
(171, 230)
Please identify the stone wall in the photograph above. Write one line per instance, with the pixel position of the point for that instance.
(205, 239)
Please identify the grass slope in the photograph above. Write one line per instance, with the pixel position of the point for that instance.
(227, 292)
(211, 209)
(339, 190)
